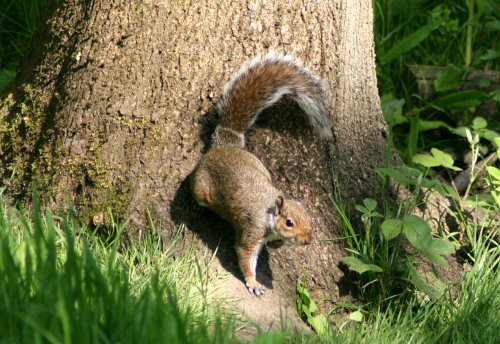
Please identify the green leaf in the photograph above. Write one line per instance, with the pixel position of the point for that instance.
(356, 316)
(438, 248)
(357, 265)
(482, 81)
(470, 139)
(445, 159)
(313, 307)
(362, 209)
(319, 323)
(435, 258)
(370, 204)
(493, 172)
(426, 160)
(308, 305)
(493, 25)
(421, 284)
(461, 99)
(460, 131)
(449, 78)
(409, 42)
(438, 158)
(496, 95)
(430, 125)
(496, 141)
(490, 55)
(491, 135)
(417, 232)
(391, 228)
(441, 246)
(479, 123)
(410, 172)
(394, 174)
(392, 109)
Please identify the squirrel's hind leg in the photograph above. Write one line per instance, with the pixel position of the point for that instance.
(200, 188)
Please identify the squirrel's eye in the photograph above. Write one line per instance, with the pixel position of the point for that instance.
(289, 223)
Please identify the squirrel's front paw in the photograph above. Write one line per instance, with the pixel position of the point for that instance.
(255, 287)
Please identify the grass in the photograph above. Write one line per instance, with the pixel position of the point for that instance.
(64, 283)
(61, 283)
(466, 313)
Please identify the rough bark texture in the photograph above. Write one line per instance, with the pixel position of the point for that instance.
(117, 104)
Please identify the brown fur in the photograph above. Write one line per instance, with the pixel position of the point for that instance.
(253, 89)
(234, 183)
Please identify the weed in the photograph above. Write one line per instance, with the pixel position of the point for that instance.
(307, 307)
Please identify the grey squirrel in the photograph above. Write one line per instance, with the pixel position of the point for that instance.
(233, 182)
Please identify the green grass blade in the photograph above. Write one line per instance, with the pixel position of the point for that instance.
(409, 42)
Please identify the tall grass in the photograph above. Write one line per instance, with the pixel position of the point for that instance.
(59, 283)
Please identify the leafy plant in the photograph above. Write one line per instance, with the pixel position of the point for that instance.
(383, 252)
(307, 307)
(493, 180)
(383, 256)
(456, 36)
(465, 202)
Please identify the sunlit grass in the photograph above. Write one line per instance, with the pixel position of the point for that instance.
(61, 283)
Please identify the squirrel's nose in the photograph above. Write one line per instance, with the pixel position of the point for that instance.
(305, 239)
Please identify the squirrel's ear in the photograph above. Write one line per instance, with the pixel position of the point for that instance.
(279, 205)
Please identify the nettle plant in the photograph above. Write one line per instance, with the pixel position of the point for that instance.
(384, 265)
(386, 252)
(384, 262)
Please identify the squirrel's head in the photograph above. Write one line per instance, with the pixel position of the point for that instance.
(293, 224)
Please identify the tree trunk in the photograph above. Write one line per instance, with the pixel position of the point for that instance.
(117, 104)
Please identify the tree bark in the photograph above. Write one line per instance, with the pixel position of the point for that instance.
(117, 104)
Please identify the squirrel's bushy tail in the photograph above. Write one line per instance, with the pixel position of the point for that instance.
(260, 84)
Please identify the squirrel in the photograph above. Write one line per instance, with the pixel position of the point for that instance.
(234, 183)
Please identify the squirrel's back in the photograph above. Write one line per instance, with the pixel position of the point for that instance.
(233, 183)
(260, 84)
